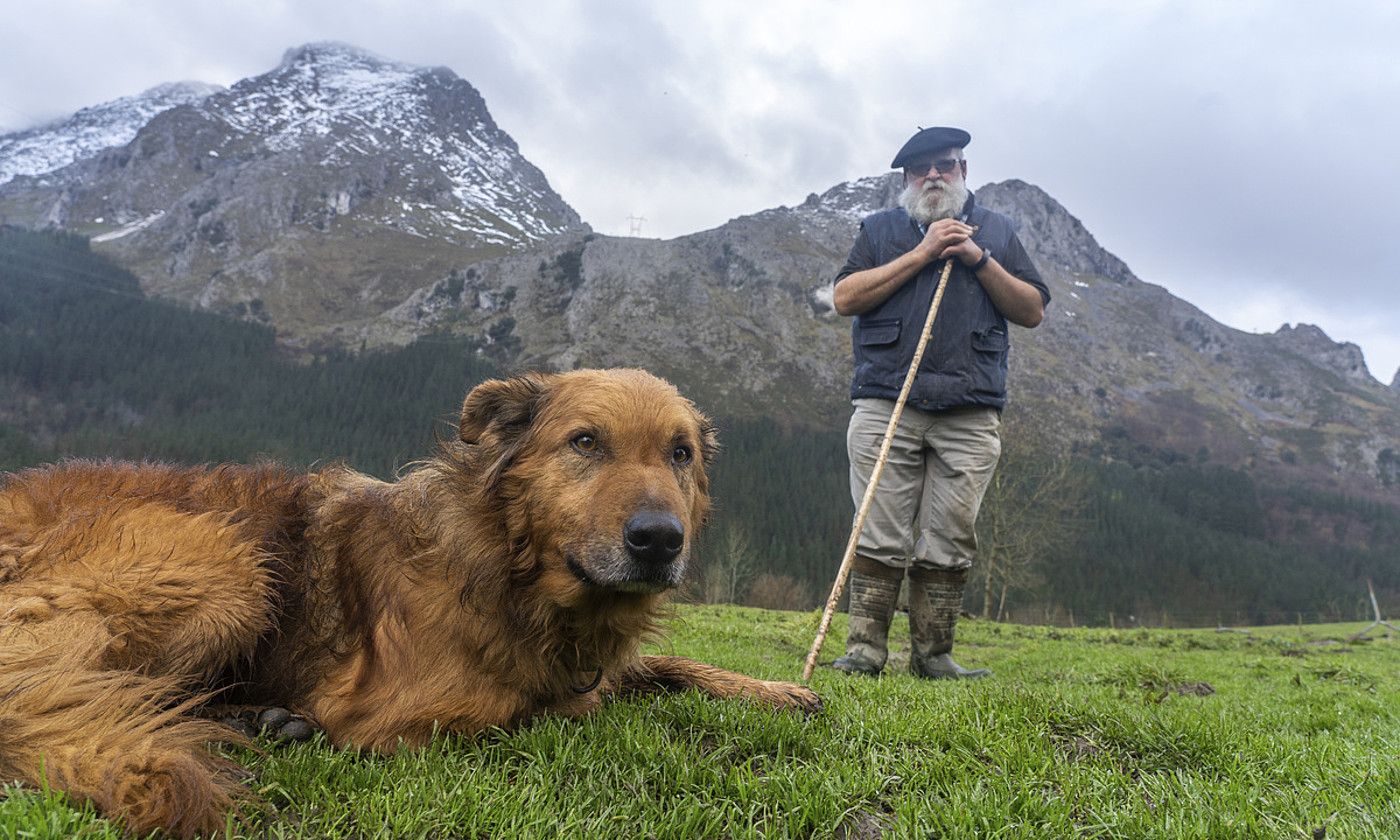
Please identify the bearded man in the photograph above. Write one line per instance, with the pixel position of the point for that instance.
(948, 440)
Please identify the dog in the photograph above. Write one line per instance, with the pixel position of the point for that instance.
(514, 574)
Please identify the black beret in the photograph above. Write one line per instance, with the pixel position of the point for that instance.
(926, 141)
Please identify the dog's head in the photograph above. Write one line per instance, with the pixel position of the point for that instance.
(600, 474)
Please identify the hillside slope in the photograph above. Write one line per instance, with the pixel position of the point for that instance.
(90, 367)
(742, 316)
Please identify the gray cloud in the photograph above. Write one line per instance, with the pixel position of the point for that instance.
(1235, 153)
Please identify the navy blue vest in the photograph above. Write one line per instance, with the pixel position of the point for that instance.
(965, 360)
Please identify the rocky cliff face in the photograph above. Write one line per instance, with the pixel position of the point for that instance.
(311, 197)
(1311, 342)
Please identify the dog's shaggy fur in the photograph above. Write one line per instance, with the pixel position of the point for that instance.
(493, 583)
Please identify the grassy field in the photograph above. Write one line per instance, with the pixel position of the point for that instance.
(1279, 733)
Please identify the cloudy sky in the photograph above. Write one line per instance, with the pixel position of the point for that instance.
(1235, 153)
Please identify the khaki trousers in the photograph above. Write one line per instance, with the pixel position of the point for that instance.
(939, 466)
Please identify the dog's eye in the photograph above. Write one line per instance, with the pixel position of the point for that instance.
(585, 443)
(681, 455)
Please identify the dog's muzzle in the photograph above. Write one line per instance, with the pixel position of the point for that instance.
(651, 557)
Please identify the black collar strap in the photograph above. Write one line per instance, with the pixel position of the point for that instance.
(597, 678)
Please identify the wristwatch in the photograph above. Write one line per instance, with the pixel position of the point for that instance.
(977, 266)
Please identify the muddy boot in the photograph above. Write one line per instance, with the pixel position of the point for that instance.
(874, 589)
(935, 599)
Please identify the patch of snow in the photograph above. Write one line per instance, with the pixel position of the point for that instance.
(45, 148)
(129, 229)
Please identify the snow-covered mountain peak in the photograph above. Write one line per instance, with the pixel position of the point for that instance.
(180, 93)
(45, 148)
(340, 72)
(332, 53)
(353, 106)
(332, 183)
(320, 87)
(856, 199)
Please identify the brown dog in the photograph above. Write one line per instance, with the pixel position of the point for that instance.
(514, 574)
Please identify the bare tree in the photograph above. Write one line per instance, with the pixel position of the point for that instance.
(1031, 509)
(778, 592)
(729, 567)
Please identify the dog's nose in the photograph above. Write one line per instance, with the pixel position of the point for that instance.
(654, 537)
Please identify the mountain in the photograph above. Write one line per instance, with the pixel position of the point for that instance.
(310, 197)
(91, 130)
(742, 315)
(1130, 361)
(348, 201)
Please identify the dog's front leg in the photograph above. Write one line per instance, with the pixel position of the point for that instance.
(675, 673)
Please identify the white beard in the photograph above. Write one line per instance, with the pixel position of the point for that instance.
(937, 200)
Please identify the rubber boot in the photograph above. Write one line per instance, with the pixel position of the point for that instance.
(935, 599)
(874, 590)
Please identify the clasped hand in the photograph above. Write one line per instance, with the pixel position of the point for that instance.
(951, 239)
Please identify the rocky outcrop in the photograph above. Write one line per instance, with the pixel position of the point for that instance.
(1310, 341)
(1057, 238)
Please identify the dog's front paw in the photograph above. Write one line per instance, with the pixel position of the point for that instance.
(282, 725)
(275, 722)
(785, 695)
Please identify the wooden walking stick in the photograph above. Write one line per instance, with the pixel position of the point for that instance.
(845, 570)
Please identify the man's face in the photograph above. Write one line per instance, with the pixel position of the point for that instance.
(933, 172)
(935, 186)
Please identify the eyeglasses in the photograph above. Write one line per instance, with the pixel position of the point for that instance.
(921, 168)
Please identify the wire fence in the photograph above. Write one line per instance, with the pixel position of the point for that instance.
(1057, 615)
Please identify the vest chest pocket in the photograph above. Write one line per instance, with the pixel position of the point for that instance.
(879, 331)
(991, 340)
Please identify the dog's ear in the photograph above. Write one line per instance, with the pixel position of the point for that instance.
(502, 408)
(709, 448)
(496, 416)
(709, 441)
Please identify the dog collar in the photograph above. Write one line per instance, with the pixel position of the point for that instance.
(584, 689)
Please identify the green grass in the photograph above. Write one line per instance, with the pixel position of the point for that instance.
(1081, 733)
